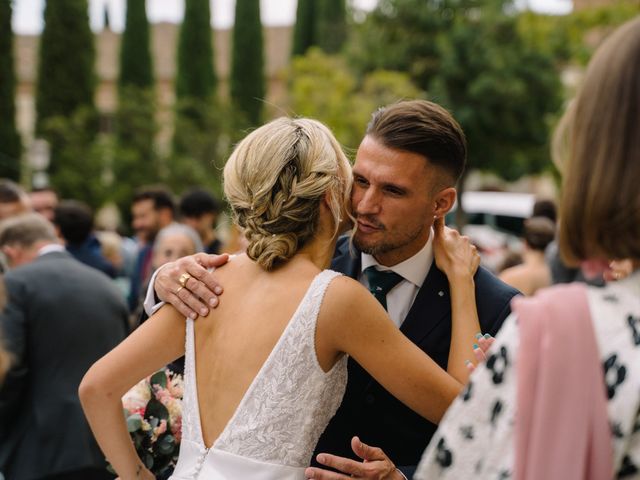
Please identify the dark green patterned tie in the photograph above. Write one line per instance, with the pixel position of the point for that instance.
(380, 282)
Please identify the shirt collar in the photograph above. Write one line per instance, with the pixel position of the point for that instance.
(413, 269)
(52, 247)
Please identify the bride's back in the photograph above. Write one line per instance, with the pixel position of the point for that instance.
(277, 181)
(235, 340)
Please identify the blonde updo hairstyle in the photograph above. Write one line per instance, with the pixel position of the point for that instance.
(275, 181)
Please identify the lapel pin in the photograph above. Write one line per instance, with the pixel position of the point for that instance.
(441, 293)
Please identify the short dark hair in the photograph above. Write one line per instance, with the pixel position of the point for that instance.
(159, 195)
(197, 202)
(545, 208)
(539, 232)
(425, 128)
(10, 192)
(74, 219)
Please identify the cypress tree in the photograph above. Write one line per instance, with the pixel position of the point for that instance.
(135, 53)
(135, 121)
(66, 61)
(10, 147)
(304, 32)
(195, 77)
(247, 75)
(198, 117)
(332, 25)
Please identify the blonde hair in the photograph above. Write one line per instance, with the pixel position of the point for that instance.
(275, 181)
(600, 207)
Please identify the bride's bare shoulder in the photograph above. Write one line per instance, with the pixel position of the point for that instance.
(346, 294)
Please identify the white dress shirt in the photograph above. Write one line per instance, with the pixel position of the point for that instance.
(413, 270)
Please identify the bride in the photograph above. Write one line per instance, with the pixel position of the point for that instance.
(266, 371)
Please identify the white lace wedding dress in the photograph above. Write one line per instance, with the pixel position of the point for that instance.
(272, 434)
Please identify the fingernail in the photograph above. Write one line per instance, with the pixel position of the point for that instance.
(203, 312)
(487, 336)
(475, 345)
(467, 362)
(213, 302)
(192, 315)
(478, 336)
(217, 290)
(321, 458)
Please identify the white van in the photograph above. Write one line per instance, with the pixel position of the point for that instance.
(495, 221)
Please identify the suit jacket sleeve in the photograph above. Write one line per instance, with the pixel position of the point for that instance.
(14, 331)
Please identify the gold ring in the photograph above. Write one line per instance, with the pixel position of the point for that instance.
(178, 290)
(184, 278)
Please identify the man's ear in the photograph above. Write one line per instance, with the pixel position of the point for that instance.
(445, 200)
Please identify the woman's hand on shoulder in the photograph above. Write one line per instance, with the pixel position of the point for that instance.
(454, 254)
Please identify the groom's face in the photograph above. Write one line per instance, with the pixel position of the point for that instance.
(393, 200)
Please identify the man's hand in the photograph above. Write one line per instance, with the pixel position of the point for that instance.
(200, 290)
(375, 465)
(454, 254)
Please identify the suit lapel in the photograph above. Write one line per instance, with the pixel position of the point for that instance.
(346, 260)
(431, 307)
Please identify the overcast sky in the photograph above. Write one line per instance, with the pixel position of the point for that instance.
(27, 14)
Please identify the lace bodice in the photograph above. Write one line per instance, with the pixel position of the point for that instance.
(288, 404)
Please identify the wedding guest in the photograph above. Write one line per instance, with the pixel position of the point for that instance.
(74, 221)
(200, 210)
(44, 201)
(558, 396)
(406, 169)
(547, 208)
(152, 209)
(61, 317)
(174, 242)
(13, 200)
(534, 272)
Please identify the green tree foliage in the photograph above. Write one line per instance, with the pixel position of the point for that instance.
(134, 161)
(247, 62)
(401, 35)
(332, 25)
(304, 31)
(65, 86)
(135, 52)
(573, 38)
(322, 87)
(470, 57)
(198, 112)
(503, 92)
(204, 145)
(66, 60)
(83, 159)
(10, 146)
(195, 76)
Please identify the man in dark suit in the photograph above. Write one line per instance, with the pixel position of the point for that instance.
(61, 317)
(404, 176)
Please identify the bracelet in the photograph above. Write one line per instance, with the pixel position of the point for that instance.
(403, 475)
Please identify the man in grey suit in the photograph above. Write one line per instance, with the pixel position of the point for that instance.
(61, 317)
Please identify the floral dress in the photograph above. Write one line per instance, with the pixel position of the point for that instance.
(476, 437)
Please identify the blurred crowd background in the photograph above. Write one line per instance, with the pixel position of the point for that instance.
(90, 118)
